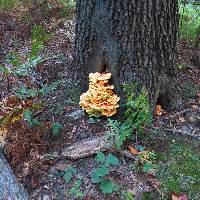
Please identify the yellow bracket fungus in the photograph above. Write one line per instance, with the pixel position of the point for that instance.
(100, 99)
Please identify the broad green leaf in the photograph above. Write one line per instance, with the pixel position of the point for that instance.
(100, 157)
(95, 178)
(56, 127)
(108, 187)
(102, 171)
(147, 167)
(112, 160)
(27, 115)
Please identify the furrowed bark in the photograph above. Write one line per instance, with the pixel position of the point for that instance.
(134, 40)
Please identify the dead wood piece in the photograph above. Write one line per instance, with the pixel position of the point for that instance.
(9, 187)
(194, 133)
(90, 147)
(86, 148)
(174, 115)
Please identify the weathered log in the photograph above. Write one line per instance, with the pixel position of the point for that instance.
(10, 189)
(86, 148)
(90, 147)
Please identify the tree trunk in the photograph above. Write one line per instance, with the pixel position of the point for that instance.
(10, 189)
(134, 40)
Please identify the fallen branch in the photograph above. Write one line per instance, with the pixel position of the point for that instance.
(193, 134)
(178, 113)
(90, 147)
(86, 148)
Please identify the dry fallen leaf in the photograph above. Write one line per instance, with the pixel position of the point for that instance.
(134, 151)
(17, 118)
(182, 196)
(159, 110)
(198, 94)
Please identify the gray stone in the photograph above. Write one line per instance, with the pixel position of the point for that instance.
(78, 114)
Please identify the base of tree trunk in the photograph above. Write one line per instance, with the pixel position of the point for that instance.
(135, 41)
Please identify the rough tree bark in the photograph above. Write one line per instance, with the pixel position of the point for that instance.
(10, 189)
(134, 40)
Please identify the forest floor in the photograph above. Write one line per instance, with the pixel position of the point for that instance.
(36, 152)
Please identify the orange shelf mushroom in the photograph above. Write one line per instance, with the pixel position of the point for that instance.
(100, 99)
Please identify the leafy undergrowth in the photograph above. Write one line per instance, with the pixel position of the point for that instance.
(189, 20)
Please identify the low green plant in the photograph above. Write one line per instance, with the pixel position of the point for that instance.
(129, 196)
(99, 174)
(75, 190)
(137, 115)
(9, 4)
(189, 20)
(24, 92)
(56, 127)
(38, 37)
(137, 109)
(118, 133)
(69, 173)
(69, 6)
(152, 195)
(27, 115)
(180, 172)
(13, 58)
(148, 161)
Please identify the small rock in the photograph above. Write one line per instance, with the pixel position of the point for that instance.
(76, 114)
(46, 197)
(55, 154)
(93, 120)
(11, 25)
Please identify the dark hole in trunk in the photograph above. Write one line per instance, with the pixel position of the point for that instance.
(164, 101)
(105, 68)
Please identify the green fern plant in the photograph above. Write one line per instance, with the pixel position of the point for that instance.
(99, 174)
(137, 108)
(137, 115)
(118, 133)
